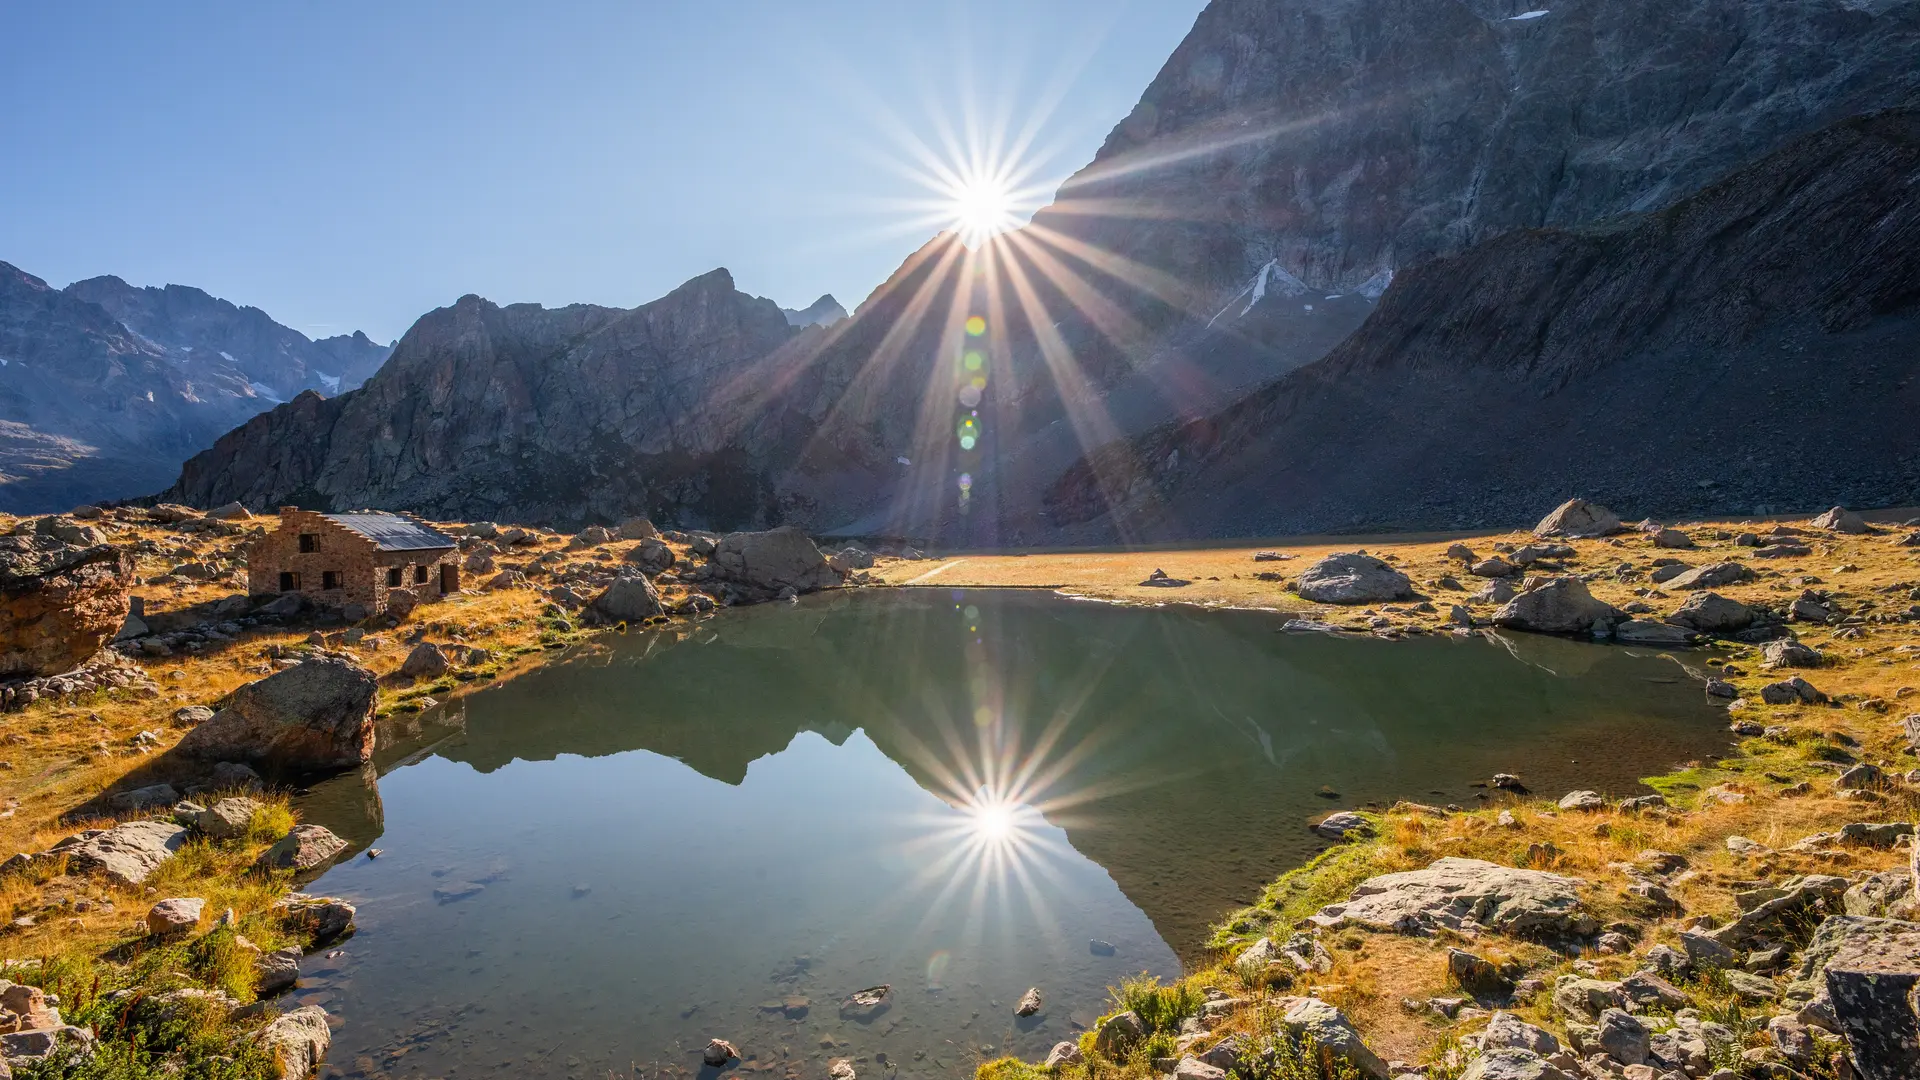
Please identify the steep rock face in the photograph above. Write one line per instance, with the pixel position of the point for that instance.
(105, 389)
(1287, 161)
(684, 408)
(188, 320)
(89, 409)
(1751, 346)
(1349, 138)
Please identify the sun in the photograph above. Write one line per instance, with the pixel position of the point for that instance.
(982, 205)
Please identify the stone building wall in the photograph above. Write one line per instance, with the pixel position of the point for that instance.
(363, 568)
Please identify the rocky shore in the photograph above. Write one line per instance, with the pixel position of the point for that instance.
(1742, 919)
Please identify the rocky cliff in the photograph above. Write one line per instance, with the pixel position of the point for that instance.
(687, 407)
(106, 389)
(1750, 347)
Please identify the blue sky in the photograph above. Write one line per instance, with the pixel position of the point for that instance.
(351, 165)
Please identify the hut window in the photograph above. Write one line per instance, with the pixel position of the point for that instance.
(289, 581)
(309, 543)
(330, 579)
(419, 575)
(393, 577)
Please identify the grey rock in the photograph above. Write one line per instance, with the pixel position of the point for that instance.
(1064, 1053)
(1506, 1031)
(276, 971)
(298, 1040)
(1555, 605)
(1750, 987)
(767, 562)
(426, 661)
(1583, 800)
(1192, 1068)
(1840, 520)
(1788, 653)
(630, 599)
(1450, 892)
(1477, 975)
(1579, 519)
(1647, 632)
(146, 798)
(1495, 567)
(1343, 825)
(1879, 893)
(317, 714)
(1623, 1037)
(1871, 977)
(322, 917)
(1711, 613)
(126, 853)
(1118, 1033)
(1585, 999)
(1352, 578)
(1513, 1063)
(1671, 538)
(1330, 1029)
(305, 849)
(177, 917)
(1792, 691)
(1711, 576)
(637, 528)
(227, 819)
(1650, 990)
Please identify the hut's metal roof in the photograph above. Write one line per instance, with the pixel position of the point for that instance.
(392, 532)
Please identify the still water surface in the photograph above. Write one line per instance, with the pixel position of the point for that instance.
(596, 867)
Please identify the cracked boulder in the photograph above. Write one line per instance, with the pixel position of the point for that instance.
(1460, 894)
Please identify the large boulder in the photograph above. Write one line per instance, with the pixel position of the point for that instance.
(314, 715)
(630, 599)
(651, 555)
(1710, 576)
(305, 848)
(1513, 1063)
(1352, 578)
(1556, 605)
(298, 1041)
(60, 603)
(1841, 520)
(1579, 519)
(1871, 979)
(126, 853)
(1711, 613)
(1330, 1029)
(1452, 893)
(772, 561)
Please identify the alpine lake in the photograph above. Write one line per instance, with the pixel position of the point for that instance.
(726, 830)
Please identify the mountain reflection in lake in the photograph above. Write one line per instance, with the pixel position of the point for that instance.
(727, 830)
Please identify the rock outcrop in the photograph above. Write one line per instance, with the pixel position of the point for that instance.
(1352, 578)
(1451, 893)
(315, 715)
(772, 562)
(1485, 378)
(60, 602)
(1557, 605)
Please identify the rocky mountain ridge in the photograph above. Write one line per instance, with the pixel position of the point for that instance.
(279, 361)
(105, 389)
(1751, 346)
(1289, 161)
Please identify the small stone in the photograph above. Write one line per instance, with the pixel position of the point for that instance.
(1029, 1003)
(175, 918)
(718, 1052)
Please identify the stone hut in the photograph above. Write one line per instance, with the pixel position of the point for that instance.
(366, 559)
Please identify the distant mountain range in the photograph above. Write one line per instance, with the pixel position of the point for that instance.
(105, 389)
(1294, 289)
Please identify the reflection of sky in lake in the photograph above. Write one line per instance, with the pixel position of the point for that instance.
(619, 893)
(669, 838)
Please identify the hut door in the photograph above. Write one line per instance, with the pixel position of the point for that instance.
(449, 578)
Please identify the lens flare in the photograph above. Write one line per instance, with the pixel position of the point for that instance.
(976, 325)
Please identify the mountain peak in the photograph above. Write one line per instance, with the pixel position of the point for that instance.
(822, 312)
